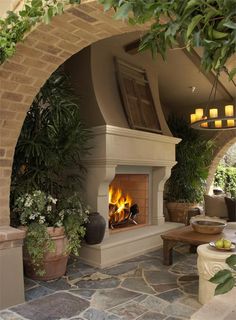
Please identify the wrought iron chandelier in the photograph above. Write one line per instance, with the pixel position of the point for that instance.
(212, 117)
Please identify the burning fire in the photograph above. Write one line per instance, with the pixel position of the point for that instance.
(119, 205)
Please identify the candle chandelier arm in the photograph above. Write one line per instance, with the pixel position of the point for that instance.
(210, 118)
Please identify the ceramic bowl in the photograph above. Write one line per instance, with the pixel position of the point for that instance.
(209, 227)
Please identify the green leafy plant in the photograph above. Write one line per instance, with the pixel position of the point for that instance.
(225, 279)
(193, 156)
(14, 27)
(51, 142)
(210, 24)
(225, 178)
(38, 210)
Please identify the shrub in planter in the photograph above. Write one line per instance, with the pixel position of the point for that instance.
(186, 185)
(53, 230)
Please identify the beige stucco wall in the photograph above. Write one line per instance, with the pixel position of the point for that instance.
(79, 69)
(6, 5)
(94, 76)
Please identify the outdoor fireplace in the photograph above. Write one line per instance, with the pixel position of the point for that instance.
(130, 139)
(137, 176)
(128, 200)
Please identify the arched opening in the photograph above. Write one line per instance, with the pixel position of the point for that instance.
(42, 52)
(223, 142)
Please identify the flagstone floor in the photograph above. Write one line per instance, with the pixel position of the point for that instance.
(141, 288)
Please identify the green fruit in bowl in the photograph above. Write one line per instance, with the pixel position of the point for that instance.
(219, 244)
(227, 244)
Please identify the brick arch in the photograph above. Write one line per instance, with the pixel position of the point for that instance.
(223, 141)
(44, 49)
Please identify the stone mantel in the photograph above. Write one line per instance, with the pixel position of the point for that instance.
(121, 146)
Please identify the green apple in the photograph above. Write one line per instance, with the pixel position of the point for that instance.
(227, 244)
(219, 243)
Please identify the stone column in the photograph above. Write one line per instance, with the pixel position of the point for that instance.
(209, 263)
(159, 177)
(11, 267)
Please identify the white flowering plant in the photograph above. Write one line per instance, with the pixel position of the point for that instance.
(37, 207)
(38, 210)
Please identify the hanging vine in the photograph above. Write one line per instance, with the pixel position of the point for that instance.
(210, 24)
(14, 27)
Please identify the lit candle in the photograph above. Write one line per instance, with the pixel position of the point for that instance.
(213, 113)
(229, 110)
(204, 125)
(218, 123)
(230, 123)
(192, 117)
(199, 114)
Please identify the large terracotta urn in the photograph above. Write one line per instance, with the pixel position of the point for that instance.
(54, 263)
(178, 211)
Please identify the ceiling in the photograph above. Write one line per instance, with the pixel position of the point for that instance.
(183, 85)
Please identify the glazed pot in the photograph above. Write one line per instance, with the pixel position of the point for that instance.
(95, 228)
(54, 263)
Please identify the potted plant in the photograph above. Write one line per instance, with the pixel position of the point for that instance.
(47, 175)
(186, 185)
(53, 230)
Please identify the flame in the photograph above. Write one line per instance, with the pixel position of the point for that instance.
(118, 205)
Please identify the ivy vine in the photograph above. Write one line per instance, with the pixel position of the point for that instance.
(14, 27)
(210, 24)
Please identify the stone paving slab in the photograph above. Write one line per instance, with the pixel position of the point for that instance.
(121, 268)
(37, 292)
(177, 309)
(137, 284)
(159, 277)
(106, 299)
(94, 314)
(156, 304)
(9, 315)
(152, 316)
(130, 310)
(52, 307)
(171, 295)
(140, 289)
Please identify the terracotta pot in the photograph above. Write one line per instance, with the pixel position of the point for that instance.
(54, 263)
(178, 211)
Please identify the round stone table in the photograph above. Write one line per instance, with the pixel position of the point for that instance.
(209, 262)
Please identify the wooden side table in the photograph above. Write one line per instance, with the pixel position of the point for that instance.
(189, 236)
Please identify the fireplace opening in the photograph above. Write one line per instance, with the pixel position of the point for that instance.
(128, 201)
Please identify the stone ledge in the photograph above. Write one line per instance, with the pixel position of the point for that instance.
(221, 307)
(10, 234)
(125, 245)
